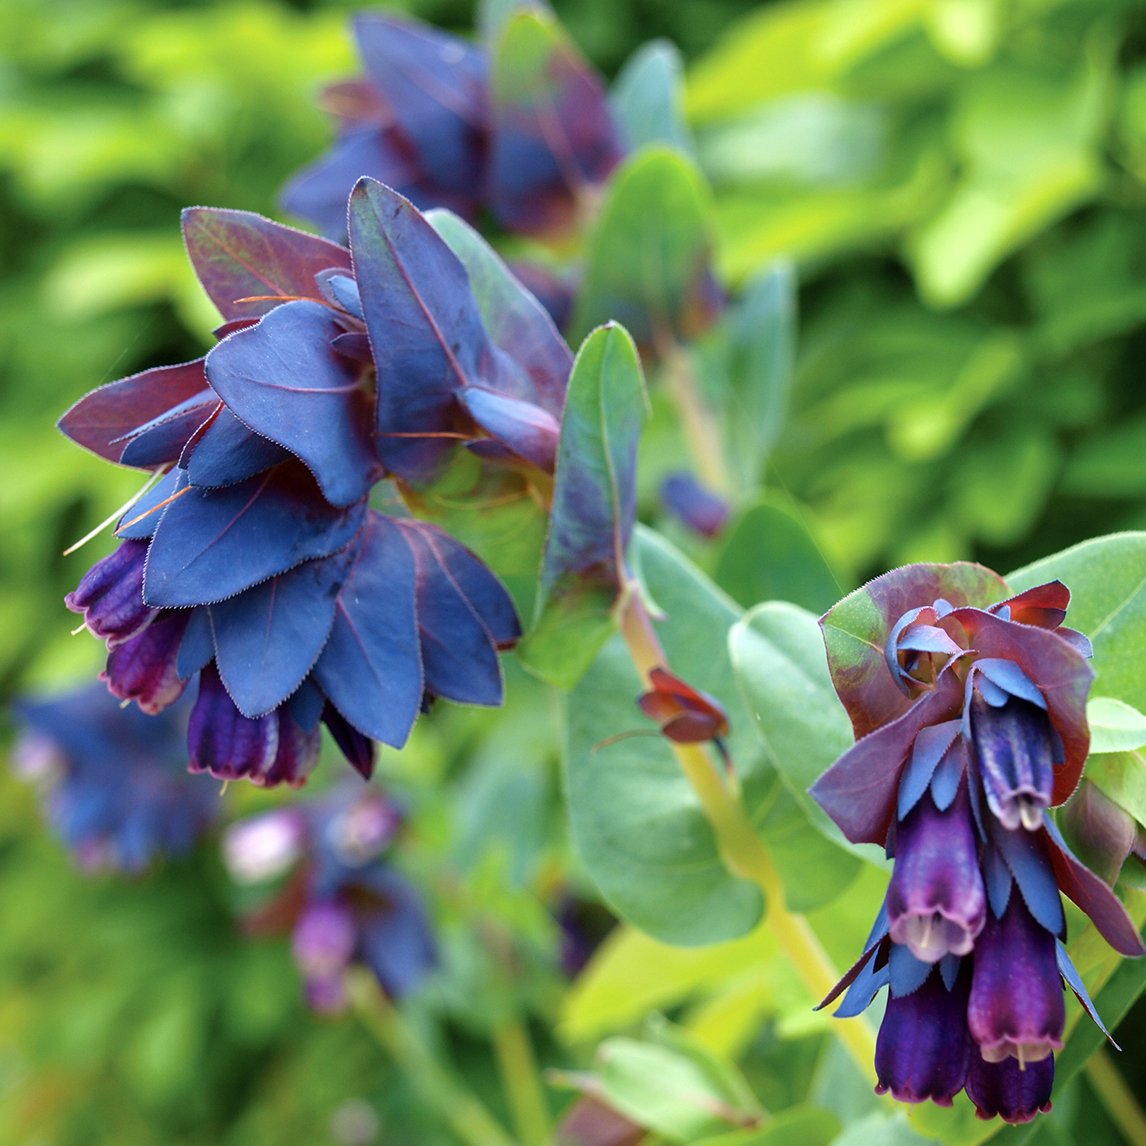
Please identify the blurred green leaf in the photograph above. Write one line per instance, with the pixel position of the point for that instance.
(1115, 726)
(769, 555)
(1122, 776)
(648, 98)
(799, 1126)
(647, 263)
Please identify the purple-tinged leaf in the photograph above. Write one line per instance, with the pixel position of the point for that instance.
(161, 441)
(553, 134)
(197, 649)
(998, 879)
(435, 87)
(1093, 896)
(948, 776)
(694, 504)
(876, 937)
(101, 420)
(268, 639)
(856, 630)
(459, 660)
(1073, 980)
(282, 380)
(142, 520)
(523, 428)
(240, 255)
(1044, 606)
(517, 322)
(424, 327)
(212, 544)
(226, 452)
(1060, 672)
(584, 570)
(859, 790)
(371, 669)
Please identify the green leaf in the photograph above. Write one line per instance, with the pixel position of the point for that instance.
(769, 554)
(1122, 777)
(594, 507)
(675, 1087)
(648, 98)
(778, 655)
(797, 1126)
(1107, 580)
(647, 264)
(636, 821)
(1114, 725)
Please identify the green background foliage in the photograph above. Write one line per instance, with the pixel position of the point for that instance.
(959, 188)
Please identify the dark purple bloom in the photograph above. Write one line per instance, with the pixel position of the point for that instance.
(114, 780)
(450, 124)
(970, 726)
(256, 561)
(700, 509)
(342, 900)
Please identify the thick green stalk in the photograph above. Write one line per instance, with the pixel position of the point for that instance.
(521, 1082)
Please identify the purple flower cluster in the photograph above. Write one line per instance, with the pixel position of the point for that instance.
(114, 781)
(258, 563)
(430, 120)
(970, 726)
(341, 900)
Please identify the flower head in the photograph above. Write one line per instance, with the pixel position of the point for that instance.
(971, 724)
(114, 780)
(520, 127)
(340, 898)
(258, 563)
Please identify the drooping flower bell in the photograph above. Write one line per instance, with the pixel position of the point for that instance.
(258, 563)
(519, 126)
(970, 718)
(340, 898)
(114, 781)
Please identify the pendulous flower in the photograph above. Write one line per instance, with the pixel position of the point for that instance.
(114, 780)
(258, 563)
(341, 899)
(970, 720)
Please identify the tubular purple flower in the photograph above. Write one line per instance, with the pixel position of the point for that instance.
(110, 595)
(936, 902)
(143, 667)
(1014, 1091)
(323, 944)
(1015, 748)
(1016, 1007)
(923, 1049)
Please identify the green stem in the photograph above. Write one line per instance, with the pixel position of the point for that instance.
(701, 431)
(522, 1083)
(1117, 1097)
(438, 1088)
(742, 849)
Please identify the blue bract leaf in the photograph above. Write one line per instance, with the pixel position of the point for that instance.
(435, 87)
(226, 452)
(1026, 856)
(142, 519)
(283, 380)
(241, 256)
(103, 420)
(525, 429)
(268, 638)
(517, 322)
(1008, 676)
(197, 649)
(906, 972)
(1074, 981)
(161, 441)
(371, 668)
(458, 652)
(423, 322)
(212, 544)
(929, 748)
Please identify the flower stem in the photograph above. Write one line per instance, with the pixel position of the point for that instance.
(742, 849)
(521, 1081)
(439, 1088)
(1117, 1097)
(701, 431)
